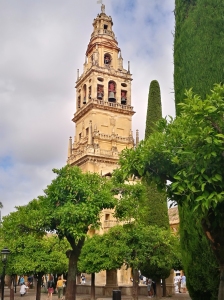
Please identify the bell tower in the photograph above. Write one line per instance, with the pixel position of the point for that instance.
(103, 117)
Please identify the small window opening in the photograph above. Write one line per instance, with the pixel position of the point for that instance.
(123, 97)
(107, 59)
(79, 102)
(80, 136)
(107, 217)
(90, 91)
(100, 91)
(87, 131)
(105, 26)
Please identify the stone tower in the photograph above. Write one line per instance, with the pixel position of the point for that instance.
(103, 117)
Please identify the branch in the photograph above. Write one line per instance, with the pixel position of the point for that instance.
(215, 125)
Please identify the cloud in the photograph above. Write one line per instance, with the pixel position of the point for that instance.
(43, 43)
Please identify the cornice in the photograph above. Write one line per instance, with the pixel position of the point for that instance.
(106, 42)
(103, 71)
(103, 105)
(94, 159)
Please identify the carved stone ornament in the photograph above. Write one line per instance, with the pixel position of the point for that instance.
(112, 121)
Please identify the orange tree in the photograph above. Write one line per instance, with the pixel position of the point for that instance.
(186, 156)
(32, 251)
(72, 204)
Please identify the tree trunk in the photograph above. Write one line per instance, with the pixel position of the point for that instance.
(71, 281)
(12, 288)
(93, 286)
(38, 285)
(221, 284)
(78, 278)
(164, 287)
(135, 284)
(158, 289)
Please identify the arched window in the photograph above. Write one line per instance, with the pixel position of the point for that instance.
(100, 91)
(79, 102)
(123, 97)
(84, 94)
(112, 91)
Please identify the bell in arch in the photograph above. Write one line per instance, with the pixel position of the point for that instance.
(123, 101)
(99, 95)
(111, 97)
(123, 98)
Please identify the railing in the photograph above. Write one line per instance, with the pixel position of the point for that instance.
(111, 104)
(103, 31)
(103, 104)
(106, 152)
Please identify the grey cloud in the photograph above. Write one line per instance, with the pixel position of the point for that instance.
(43, 43)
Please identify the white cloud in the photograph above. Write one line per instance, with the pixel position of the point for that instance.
(43, 43)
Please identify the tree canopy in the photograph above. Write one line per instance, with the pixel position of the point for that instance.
(135, 245)
(186, 157)
(32, 250)
(73, 202)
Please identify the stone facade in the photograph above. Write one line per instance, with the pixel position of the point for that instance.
(103, 127)
(103, 119)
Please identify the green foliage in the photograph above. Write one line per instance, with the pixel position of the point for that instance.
(74, 201)
(131, 200)
(31, 252)
(201, 267)
(198, 46)
(154, 209)
(175, 153)
(137, 246)
(103, 252)
(198, 63)
(154, 111)
(188, 152)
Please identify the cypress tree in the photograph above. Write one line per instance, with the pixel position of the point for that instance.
(198, 64)
(154, 110)
(155, 211)
(198, 46)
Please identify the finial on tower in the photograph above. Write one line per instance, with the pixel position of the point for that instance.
(102, 6)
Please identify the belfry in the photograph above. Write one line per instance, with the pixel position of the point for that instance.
(103, 117)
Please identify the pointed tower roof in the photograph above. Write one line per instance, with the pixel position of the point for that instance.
(102, 32)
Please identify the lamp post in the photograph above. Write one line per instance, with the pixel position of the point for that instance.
(5, 252)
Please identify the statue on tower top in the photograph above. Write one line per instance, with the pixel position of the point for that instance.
(102, 6)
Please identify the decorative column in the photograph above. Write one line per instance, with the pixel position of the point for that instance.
(70, 147)
(90, 137)
(137, 138)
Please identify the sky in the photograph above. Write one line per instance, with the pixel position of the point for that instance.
(42, 44)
